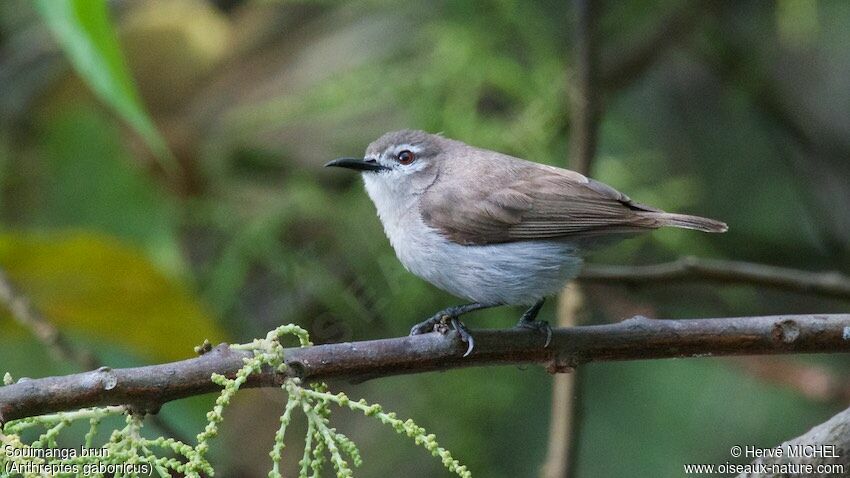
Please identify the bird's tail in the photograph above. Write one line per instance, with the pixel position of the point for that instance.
(689, 222)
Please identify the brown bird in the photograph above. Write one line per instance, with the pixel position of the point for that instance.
(491, 228)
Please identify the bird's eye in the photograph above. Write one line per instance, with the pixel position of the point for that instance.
(405, 157)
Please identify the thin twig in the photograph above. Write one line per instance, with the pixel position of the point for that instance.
(828, 284)
(26, 314)
(566, 392)
(23, 311)
(585, 113)
(147, 388)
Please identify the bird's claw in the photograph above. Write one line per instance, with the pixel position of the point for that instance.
(464, 334)
(540, 326)
(440, 323)
(426, 325)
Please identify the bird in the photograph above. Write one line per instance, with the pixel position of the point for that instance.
(493, 229)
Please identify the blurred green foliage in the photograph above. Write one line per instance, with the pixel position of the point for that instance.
(95, 286)
(85, 31)
(739, 114)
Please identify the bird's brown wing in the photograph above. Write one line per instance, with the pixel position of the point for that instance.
(533, 202)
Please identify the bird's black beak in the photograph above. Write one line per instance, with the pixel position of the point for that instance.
(357, 164)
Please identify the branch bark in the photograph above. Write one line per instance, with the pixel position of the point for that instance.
(833, 434)
(147, 388)
(828, 284)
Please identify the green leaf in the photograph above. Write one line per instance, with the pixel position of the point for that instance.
(85, 32)
(96, 287)
(89, 181)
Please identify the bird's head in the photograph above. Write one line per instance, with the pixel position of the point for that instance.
(400, 164)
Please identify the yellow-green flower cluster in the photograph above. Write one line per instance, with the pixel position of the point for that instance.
(127, 445)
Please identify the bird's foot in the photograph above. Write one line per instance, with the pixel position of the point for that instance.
(429, 324)
(539, 326)
(441, 321)
(527, 322)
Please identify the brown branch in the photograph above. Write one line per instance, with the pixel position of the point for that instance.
(147, 388)
(834, 438)
(828, 284)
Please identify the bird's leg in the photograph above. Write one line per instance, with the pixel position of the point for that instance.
(451, 315)
(527, 321)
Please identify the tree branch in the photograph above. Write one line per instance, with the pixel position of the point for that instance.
(833, 434)
(828, 284)
(147, 388)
